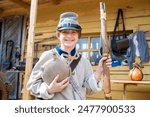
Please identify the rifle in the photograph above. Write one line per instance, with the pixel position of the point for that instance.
(106, 52)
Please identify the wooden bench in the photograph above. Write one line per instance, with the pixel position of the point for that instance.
(129, 82)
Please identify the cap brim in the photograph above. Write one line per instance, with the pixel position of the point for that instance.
(68, 28)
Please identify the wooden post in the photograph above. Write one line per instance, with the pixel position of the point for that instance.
(30, 48)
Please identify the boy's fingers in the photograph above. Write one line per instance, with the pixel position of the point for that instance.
(56, 78)
(65, 84)
(64, 81)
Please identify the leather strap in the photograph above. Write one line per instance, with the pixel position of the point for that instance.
(74, 84)
(74, 63)
(120, 14)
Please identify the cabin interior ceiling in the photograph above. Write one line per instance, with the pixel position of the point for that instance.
(88, 7)
(12, 7)
(18, 7)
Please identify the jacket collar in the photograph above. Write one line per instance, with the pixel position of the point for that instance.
(60, 51)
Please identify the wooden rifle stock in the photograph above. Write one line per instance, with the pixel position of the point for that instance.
(106, 52)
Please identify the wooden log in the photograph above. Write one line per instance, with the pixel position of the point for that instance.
(30, 48)
(106, 52)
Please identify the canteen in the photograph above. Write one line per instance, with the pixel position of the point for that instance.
(56, 65)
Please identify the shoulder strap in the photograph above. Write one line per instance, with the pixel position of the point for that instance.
(75, 62)
(74, 84)
(120, 14)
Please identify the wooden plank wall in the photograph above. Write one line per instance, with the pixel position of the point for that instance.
(137, 17)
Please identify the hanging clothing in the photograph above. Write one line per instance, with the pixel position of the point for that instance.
(137, 47)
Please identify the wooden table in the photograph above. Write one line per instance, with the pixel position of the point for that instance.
(129, 82)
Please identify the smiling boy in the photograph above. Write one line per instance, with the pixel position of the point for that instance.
(82, 80)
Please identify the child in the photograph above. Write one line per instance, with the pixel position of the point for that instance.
(82, 79)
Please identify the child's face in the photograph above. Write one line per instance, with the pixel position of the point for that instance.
(68, 38)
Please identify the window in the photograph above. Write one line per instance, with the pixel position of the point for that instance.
(82, 44)
(89, 47)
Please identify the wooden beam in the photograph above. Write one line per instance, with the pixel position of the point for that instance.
(14, 11)
(30, 47)
(21, 3)
(1, 10)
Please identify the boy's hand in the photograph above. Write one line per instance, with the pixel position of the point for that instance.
(58, 87)
(100, 69)
(101, 62)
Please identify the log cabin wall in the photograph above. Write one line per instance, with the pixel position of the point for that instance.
(137, 17)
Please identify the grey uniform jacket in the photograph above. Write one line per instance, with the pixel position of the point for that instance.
(83, 75)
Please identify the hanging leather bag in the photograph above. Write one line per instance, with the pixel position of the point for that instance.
(119, 42)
